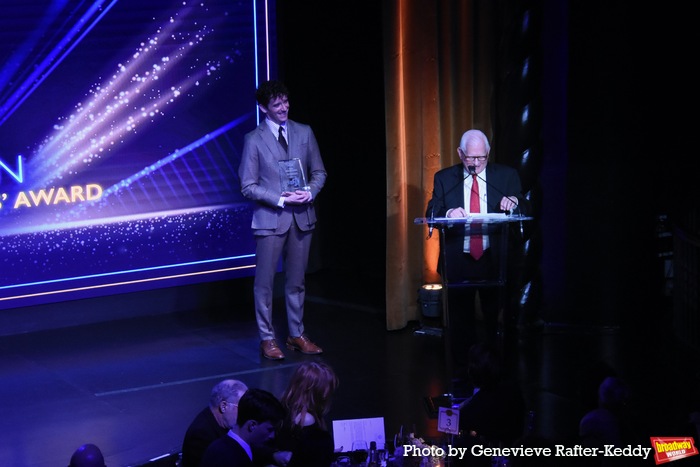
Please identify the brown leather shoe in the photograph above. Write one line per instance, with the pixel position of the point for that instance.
(304, 345)
(271, 350)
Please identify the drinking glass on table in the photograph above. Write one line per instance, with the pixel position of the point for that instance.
(359, 451)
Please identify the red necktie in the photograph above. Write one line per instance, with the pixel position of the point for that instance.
(476, 241)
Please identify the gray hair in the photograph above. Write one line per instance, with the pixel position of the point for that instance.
(227, 390)
(471, 135)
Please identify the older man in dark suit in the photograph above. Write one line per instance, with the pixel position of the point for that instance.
(284, 218)
(473, 186)
(213, 421)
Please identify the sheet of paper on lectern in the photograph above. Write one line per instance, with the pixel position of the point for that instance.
(358, 429)
(473, 215)
(487, 215)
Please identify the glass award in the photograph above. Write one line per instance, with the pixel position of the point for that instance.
(292, 176)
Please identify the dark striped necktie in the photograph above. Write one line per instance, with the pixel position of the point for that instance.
(282, 139)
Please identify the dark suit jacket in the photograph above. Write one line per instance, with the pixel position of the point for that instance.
(260, 177)
(225, 452)
(448, 193)
(311, 446)
(203, 430)
(497, 417)
(448, 189)
(496, 414)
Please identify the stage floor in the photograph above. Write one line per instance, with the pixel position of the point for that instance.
(132, 386)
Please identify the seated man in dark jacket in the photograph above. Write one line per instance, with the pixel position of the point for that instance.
(494, 414)
(259, 416)
(213, 421)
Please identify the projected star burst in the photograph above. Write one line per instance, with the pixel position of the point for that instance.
(138, 93)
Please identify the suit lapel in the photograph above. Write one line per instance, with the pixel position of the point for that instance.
(458, 195)
(493, 197)
(291, 146)
(269, 139)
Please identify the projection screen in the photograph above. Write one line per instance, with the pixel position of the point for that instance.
(121, 126)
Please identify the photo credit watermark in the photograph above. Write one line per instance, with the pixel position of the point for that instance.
(558, 450)
(668, 449)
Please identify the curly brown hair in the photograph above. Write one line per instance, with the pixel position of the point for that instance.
(269, 90)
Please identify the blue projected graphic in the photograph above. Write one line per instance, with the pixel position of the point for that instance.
(121, 125)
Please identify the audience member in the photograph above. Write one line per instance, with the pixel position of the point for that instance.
(305, 431)
(601, 426)
(494, 414)
(213, 421)
(590, 374)
(259, 415)
(694, 421)
(87, 455)
(612, 422)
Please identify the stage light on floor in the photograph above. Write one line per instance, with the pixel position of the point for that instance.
(430, 300)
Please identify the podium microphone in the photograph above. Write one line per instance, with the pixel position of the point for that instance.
(472, 171)
(431, 222)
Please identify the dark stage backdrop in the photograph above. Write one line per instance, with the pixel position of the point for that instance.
(121, 126)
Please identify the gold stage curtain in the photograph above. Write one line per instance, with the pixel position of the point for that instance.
(437, 74)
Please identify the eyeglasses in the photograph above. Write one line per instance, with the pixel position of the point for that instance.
(464, 157)
(477, 158)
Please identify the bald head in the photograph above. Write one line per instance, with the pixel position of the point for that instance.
(87, 455)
